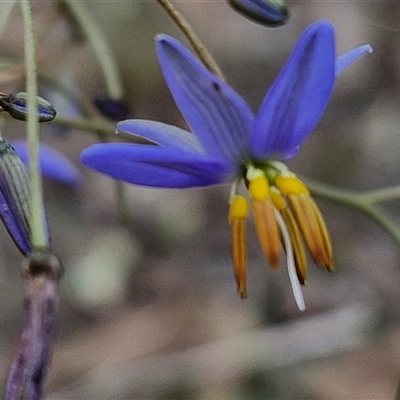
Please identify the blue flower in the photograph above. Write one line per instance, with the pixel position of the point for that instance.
(229, 143)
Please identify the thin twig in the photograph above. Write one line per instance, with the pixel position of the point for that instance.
(39, 237)
(383, 195)
(191, 35)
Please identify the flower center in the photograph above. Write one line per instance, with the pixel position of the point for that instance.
(285, 217)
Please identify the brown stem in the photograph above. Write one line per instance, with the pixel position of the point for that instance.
(201, 50)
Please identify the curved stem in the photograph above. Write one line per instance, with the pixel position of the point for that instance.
(204, 55)
(38, 231)
(381, 195)
(362, 202)
(100, 46)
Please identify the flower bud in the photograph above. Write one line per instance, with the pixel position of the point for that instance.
(15, 197)
(16, 105)
(266, 12)
(112, 108)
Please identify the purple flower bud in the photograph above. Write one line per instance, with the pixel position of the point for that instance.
(16, 105)
(112, 108)
(15, 197)
(266, 12)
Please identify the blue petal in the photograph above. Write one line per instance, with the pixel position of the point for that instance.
(217, 115)
(150, 165)
(167, 136)
(297, 99)
(267, 12)
(348, 58)
(53, 164)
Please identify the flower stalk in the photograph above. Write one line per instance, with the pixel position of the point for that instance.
(198, 46)
(39, 237)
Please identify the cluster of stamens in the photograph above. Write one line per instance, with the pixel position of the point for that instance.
(286, 217)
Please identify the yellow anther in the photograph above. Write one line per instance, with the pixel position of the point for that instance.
(259, 188)
(277, 199)
(239, 208)
(290, 185)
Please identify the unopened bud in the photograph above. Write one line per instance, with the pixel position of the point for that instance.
(113, 109)
(15, 197)
(16, 105)
(267, 12)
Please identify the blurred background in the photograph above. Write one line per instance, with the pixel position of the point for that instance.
(148, 308)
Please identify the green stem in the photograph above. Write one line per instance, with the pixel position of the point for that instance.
(362, 202)
(100, 46)
(339, 196)
(381, 195)
(123, 212)
(194, 40)
(38, 230)
(102, 128)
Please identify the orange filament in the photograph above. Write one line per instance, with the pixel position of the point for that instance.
(237, 218)
(310, 225)
(239, 255)
(267, 230)
(329, 265)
